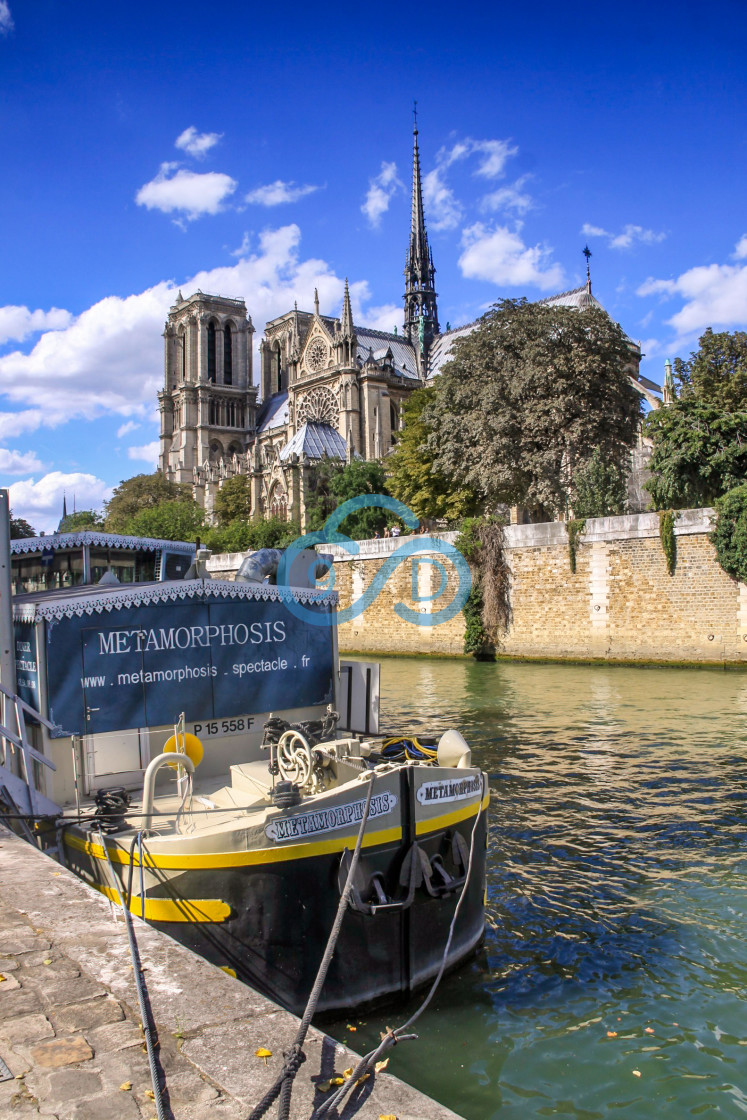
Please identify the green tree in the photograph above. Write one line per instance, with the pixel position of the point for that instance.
(599, 488)
(142, 492)
(700, 452)
(170, 521)
(334, 483)
(730, 534)
(233, 502)
(524, 398)
(248, 536)
(20, 528)
(412, 477)
(81, 519)
(716, 373)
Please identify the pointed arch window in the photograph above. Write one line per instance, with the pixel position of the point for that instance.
(211, 352)
(227, 355)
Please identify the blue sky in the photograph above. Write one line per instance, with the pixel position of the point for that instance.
(263, 151)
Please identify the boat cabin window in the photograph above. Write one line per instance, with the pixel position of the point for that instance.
(127, 566)
(47, 571)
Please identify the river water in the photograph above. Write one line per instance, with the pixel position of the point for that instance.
(613, 978)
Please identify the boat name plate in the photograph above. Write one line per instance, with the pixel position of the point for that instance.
(298, 825)
(450, 789)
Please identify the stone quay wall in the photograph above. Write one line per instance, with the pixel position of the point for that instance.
(621, 604)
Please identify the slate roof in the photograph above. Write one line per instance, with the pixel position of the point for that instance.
(580, 298)
(316, 441)
(440, 351)
(273, 413)
(403, 352)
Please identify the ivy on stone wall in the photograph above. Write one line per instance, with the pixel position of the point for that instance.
(487, 610)
(730, 534)
(575, 529)
(668, 539)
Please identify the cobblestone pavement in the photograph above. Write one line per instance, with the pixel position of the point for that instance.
(70, 1026)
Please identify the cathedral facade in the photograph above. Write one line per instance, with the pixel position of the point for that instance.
(327, 387)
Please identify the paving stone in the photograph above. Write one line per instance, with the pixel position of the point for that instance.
(57, 1052)
(27, 1029)
(8, 964)
(125, 1065)
(108, 1106)
(8, 983)
(22, 1001)
(16, 942)
(189, 1087)
(115, 1036)
(86, 1016)
(69, 1085)
(71, 990)
(223, 1109)
(16, 1063)
(39, 975)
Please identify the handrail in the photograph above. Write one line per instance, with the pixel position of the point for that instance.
(149, 781)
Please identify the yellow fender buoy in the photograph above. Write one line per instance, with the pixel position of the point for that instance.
(189, 744)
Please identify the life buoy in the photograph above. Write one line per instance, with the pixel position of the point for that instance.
(188, 744)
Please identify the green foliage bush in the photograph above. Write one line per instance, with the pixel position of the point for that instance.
(248, 536)
(730, 534)
(599, 488)
(486, 612)
(668, 539)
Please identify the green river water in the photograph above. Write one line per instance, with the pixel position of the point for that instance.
(613, 978)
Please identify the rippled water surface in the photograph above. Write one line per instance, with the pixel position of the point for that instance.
(613, 977)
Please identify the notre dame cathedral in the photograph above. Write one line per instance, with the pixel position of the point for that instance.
(327, 388)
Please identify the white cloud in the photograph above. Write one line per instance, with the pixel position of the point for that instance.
(442, 206)
(741, 250)
(40, 503)
(6, 19)
(629, 235)
(383, 318)
(494, 155)
(19, 462)
(190, 193)
(381, 190)
(13, 424)
(147, 453)
(244, 247)
(109, 360)
(197, 144)
(499, 255)
(126, 428)
(274, 194)
(714, 296)
(17, 323)
(513, 198)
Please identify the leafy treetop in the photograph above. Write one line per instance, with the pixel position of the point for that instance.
(412, 477)
(234, 500)
(20, 528)
(716, 373)
(700, 452)
(142, 492)
(526, 398)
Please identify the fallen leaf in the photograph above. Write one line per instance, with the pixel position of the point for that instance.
(389, 1116)
(56, 874)
(47, 960)
(126, 1086)
(381, 1065)
(649, 1030)
(325, 1086)
(150, 1094)
(3, 978)
(611, 1034)
(636, 1073)
(263, 1053)
(362, 1079)
(347, 1073)
(351, 1027)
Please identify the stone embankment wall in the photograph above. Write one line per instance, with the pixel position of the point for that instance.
(621, 603)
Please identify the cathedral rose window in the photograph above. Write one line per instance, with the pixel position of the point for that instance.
(318, 407)
(316, 355)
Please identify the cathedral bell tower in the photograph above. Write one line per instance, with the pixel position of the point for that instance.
(421, 312)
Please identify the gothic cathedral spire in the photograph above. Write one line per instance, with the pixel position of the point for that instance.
(421, 312)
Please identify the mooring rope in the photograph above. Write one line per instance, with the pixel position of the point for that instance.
(295, 1057)
(145, 1015)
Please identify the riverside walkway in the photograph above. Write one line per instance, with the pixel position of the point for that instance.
(70, 1036)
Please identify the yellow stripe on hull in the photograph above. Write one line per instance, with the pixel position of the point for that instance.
(172, 909)
(201, 860)
(433, 824)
